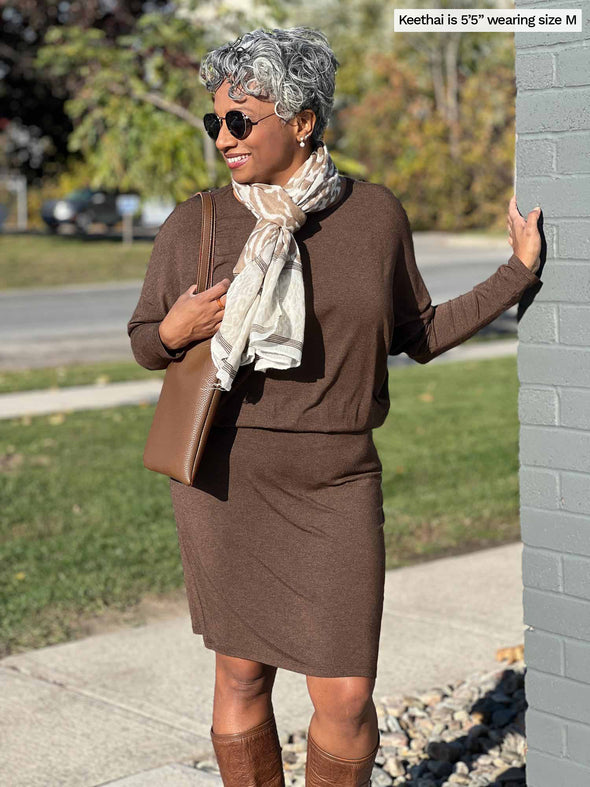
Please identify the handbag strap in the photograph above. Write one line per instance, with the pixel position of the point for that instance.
(205, 266)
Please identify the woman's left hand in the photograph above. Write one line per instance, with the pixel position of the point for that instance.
(524, 236)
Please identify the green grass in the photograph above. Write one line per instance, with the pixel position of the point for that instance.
(84, 526)
(449, 451)
(47, 261)
(53, 261)
(74, 374)
(85, 529)
(119, 371)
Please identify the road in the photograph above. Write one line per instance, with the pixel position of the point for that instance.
(88, 323)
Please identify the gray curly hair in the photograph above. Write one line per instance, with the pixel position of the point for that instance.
(294, 67)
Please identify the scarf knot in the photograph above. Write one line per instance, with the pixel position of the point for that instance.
(264, 318)
(289, 215)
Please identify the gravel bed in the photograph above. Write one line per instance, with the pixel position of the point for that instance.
(470, 732)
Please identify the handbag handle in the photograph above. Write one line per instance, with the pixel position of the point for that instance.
(205, 268)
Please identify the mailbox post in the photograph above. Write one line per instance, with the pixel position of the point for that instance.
(127, 205)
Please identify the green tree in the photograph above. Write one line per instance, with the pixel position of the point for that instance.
(31, 101)
(133, 103)
(137, 101)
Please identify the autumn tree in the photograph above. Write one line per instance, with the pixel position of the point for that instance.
(437, 127)
(431, 114)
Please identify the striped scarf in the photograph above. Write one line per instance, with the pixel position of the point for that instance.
(264, 315)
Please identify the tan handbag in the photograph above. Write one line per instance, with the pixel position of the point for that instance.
(190, 392)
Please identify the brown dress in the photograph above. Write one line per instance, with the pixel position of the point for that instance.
(281, 535)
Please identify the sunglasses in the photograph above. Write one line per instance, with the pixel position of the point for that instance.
(238, 124)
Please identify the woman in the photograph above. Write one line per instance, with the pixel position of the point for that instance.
(314, 285)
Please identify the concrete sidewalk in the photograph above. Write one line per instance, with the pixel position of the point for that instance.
(132, 707)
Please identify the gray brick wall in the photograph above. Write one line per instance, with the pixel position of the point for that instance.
(553, 170)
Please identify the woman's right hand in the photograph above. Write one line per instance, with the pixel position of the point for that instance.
(194, 315)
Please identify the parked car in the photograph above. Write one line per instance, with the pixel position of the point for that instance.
(81, 208)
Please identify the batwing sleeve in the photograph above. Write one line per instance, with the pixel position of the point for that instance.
(423, 330)
(178, 236)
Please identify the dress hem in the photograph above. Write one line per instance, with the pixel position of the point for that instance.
(284, 663)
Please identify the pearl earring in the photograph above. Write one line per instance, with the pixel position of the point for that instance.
(302, 141)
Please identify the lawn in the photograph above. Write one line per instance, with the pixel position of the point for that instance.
(85, 529)
(47, 261)
(449, 450)
(74, 374)
(101, 372)
(44, 260)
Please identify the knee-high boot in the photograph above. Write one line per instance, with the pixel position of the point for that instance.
(251, 758)
(323, 769)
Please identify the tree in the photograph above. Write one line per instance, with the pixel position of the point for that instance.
(137, 101)
(38, 127)
(437, 127)
(356, 30)
(416, 110)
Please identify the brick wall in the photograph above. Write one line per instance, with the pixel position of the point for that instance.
(553, 170)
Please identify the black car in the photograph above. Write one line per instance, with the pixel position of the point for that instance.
(81, 208)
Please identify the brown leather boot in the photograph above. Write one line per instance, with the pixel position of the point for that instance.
(326, 770)
(251, 758)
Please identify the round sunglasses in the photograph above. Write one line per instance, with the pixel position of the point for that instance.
(238, 124)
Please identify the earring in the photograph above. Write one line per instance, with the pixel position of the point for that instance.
(302, 141)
